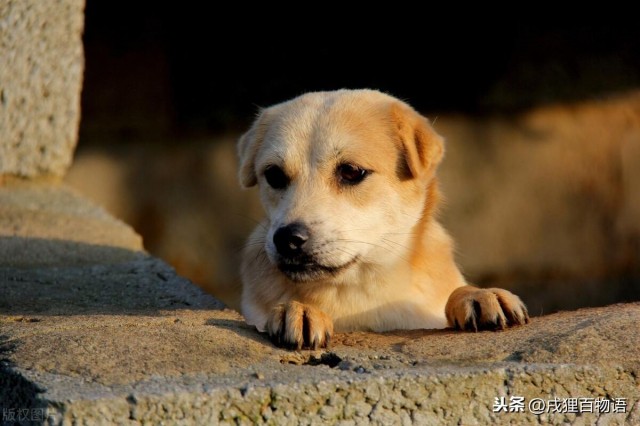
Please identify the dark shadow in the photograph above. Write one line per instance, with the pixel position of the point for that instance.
(242, 329)
(394, 338)
(19, 402)
(202, 82)
(6, 348)
(56, 277)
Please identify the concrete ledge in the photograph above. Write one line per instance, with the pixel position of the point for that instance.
(206, 366)
(123, 339)
(44, 224)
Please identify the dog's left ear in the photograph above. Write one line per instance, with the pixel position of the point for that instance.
(421, 146)
(248, 146)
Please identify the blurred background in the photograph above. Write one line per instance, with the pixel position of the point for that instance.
(542, 122)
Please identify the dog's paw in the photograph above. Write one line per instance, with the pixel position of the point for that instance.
(295, 326)
(470, 308)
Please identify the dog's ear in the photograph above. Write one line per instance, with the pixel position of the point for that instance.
(422, 148)
(248, 146)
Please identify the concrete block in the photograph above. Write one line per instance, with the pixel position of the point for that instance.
(52, 225)
(41, 67)
(106, 334)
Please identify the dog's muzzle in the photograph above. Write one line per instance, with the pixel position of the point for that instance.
(292, 243)
(294, 259)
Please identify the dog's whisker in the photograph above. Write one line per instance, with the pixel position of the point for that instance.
(249, 245)
(365, 242)
(258, 222)
(388, 241)
(258, 255)
(347, 252)
(384, 240)
(393, 250)
(389, 249)
(254, 243)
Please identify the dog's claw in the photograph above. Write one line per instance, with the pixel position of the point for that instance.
(471, 324)
(296, 326)
(474, 309)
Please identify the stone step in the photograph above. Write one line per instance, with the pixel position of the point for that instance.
(98, 338)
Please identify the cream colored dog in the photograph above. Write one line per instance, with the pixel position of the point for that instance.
(350, 241)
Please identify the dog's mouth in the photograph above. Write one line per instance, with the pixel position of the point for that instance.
(307, 269)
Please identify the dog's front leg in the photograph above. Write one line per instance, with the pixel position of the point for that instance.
(295, 325)
(472, 308)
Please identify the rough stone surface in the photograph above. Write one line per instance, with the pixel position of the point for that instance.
(41, 65)
(124, 340)
(51, 225)
(204, 365)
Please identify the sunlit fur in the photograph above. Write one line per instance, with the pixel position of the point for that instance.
(400, 269)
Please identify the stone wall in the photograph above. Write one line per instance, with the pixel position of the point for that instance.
(41, 66)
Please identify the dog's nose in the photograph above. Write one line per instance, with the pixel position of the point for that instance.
(289, 240)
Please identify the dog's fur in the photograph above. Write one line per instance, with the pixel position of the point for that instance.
(375, 258)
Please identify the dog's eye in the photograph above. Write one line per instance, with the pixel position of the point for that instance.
(276, 178)
(350, 174)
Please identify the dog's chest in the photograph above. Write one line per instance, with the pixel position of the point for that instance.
(380, 305)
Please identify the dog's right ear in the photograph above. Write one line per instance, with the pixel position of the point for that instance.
(248, 146)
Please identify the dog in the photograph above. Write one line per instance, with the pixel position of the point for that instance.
(350, 240)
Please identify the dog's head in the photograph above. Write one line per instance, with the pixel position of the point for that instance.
(343, 178)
